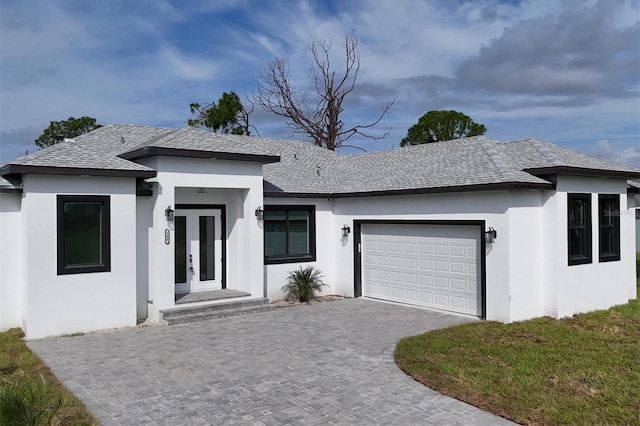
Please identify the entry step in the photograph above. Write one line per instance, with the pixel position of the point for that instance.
(214, 310)
(205, 296)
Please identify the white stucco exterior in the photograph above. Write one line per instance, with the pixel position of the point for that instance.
(52, 304)
(525, 270)
(12, 261)
(235, 185)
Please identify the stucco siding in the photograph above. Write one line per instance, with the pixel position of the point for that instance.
(525, 263)
(12, 261)
(327, 235)
(237, 186)
(60, 304)
(335, 254)
(595, 285)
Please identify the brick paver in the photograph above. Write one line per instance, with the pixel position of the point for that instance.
(327, 363)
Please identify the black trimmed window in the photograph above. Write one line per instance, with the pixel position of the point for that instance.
(289, 234)
(579, 228)
(84, 234)
(609, 227)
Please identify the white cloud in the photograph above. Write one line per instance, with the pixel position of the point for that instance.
(629, 155)
(558, 70)
(184, 66)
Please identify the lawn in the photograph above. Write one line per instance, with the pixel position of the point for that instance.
(580, 370)
(29, 392)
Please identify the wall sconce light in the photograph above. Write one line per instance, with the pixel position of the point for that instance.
(490, 235)
(260, 213)
(346, 230)
(168, 213)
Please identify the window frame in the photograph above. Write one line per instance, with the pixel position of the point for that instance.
(292, 258)
(587, 242)
(105, 233)
(615, 254)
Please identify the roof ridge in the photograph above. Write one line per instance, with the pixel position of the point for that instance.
(541, 147)
(490, 147)
(150, 141)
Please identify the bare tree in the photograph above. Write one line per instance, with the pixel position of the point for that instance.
(320, 121)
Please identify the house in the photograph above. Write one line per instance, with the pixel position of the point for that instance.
(112, 228)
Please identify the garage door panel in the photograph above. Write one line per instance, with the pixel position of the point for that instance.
(426, 265)
(458, 267)
(395, 262)
(458, 250)
(410, 248)
(395, 276)
(426, 280)
(441, 249)
(441, 266)
(410, 262)
(410, 278)
(424, 248)
(411, 295)
(458, 284)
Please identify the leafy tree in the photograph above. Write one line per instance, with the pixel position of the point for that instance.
(226, 116)
(437, 126)
(316, 115)
(70, 128)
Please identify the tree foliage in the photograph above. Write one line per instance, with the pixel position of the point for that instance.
(435, 126)
(228, 115)
(317, 115)
(70, 128)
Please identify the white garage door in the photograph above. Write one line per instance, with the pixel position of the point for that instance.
(426, 265)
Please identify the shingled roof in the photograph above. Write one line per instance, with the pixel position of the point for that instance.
(296, 168)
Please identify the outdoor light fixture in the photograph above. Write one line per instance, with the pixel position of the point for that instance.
(260, 213)
(346, 230)
(168, 213)
(491, 234)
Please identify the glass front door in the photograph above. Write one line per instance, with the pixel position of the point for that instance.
(198, 250)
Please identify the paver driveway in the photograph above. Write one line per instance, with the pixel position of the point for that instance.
(327, 363)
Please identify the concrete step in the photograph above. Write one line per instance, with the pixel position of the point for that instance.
(214, 310)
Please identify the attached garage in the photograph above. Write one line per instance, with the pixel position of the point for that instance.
(431, 265)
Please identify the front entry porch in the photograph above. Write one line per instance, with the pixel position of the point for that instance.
(205, 305)
(208, 295)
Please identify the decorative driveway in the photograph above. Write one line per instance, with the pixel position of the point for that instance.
(326, 363)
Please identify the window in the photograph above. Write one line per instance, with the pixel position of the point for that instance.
(579, 224)
(83, 234)
(609, 224)
(289, 234)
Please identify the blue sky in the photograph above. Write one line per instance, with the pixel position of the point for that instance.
(566, 72)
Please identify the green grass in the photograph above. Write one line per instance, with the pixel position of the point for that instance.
(580, 370)
(29, 392)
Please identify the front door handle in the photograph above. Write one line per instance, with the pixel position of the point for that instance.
(191, 263)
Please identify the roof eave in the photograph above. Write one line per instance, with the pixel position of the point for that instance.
(417, 191)
(19, 169)
(580, 171)
(151, 151)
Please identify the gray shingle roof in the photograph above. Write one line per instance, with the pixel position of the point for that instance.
(306, 169)
(531, 154)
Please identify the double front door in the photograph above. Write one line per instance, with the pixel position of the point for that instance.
(198, 250)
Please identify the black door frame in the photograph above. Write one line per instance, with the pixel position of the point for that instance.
(223, 227)
(357, 252)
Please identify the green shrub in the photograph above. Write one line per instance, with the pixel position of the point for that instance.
(27, 402)
(638, 265)
(303, 284)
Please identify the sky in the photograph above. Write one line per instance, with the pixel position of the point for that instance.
(566, 72)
